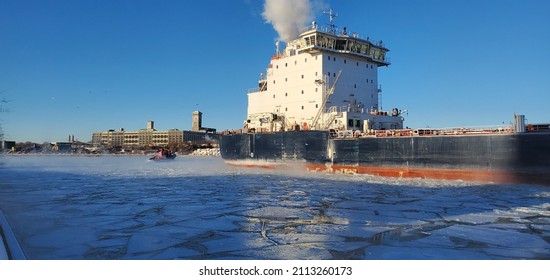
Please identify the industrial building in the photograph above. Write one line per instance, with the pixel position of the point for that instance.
(149, 137)
(7, 146)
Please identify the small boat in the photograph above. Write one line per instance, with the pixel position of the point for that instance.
(163, 154)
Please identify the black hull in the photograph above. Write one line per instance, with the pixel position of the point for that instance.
(521, 157)
(293, 146)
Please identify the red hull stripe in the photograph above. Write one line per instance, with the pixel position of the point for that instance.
(484, 176)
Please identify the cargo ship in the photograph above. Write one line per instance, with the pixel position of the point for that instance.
(317, 107)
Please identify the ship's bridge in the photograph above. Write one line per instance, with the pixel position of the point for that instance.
(316, 39)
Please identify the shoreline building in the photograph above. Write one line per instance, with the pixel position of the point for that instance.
(197, 124)
(7, 146)
(150, 138)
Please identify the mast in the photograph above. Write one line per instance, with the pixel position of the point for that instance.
(331, 15)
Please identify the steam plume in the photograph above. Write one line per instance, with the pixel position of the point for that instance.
(288, 17)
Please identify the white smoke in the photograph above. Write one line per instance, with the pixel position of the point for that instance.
(288, 17)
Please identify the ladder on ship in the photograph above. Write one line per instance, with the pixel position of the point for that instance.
(332, 117)
(328, 93)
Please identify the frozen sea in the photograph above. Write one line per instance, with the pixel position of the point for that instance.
(126, 207)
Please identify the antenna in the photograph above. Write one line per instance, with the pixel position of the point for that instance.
(331, 15)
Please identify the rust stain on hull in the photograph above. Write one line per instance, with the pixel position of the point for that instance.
(482, 176)
(486, 176)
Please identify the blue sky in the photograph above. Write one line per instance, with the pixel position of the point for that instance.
(75, 67)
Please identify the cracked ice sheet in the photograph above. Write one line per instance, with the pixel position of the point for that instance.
(449, 243)
(221, 223)
(236, 243)
(387, 218)
(148, 244)
(68, 236)
(517, 215)
(71, 242)
(495, 237)
(299, 238)
(347, 231)
(289, 252)
(386, 252)
(522, 212)
(474, 218)
(114, 205)
(278, 213)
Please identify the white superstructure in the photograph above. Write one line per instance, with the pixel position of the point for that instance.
(325, 79)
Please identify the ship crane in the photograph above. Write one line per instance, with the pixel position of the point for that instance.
(328, 93)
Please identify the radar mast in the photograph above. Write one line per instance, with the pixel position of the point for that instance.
(331, 15)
